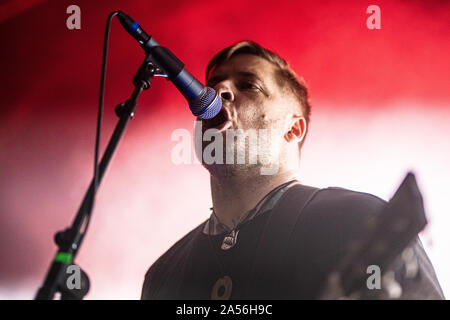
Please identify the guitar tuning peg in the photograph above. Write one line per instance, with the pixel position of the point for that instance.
(411, 263)
(391, 287)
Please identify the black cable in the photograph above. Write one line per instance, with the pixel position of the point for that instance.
(99, 117)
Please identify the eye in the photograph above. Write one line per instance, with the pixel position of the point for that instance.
(246, 85)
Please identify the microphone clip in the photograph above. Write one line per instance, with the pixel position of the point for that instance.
(148, 69)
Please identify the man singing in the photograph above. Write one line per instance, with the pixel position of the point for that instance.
(269, 236)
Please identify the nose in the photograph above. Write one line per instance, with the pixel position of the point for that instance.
(226, 95)
(225, 92)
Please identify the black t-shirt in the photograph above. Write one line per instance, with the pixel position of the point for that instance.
(331, 219)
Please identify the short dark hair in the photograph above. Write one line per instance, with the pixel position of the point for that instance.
(284, 75)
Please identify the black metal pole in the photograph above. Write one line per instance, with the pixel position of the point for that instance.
(69, 240)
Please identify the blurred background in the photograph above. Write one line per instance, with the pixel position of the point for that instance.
(381, 107)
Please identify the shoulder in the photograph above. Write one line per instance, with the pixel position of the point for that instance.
(338, 199)
(166, 265)
(347, 206)
(180, 247)
(332, 219)
(333, 216)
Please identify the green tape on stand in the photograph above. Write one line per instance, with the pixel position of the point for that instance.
(63, 257)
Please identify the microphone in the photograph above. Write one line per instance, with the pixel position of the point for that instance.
(204, 102)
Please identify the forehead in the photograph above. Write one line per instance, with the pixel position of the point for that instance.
(245, 63)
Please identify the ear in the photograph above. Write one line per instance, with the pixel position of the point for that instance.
(296, 130)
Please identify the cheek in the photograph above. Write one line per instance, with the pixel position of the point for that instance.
(268, 117)
(255, 113)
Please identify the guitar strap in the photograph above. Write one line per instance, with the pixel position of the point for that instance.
(271, 253)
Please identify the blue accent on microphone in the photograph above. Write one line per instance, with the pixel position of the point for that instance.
(134, 27)
(202, 112)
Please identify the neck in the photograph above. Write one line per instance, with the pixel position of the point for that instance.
(232, 197)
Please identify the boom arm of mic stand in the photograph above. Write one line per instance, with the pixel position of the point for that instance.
(69, 240)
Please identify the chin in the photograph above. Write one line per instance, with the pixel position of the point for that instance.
(231, 170)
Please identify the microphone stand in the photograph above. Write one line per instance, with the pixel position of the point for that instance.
(69, 240)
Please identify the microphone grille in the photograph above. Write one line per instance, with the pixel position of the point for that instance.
(207, 105)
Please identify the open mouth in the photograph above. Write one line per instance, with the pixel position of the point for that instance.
(220, 122)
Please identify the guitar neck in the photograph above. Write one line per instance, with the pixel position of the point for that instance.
(387, 235)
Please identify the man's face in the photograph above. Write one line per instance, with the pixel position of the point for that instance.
(252, 101)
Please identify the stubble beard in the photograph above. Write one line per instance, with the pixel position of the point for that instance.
(238, 157)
